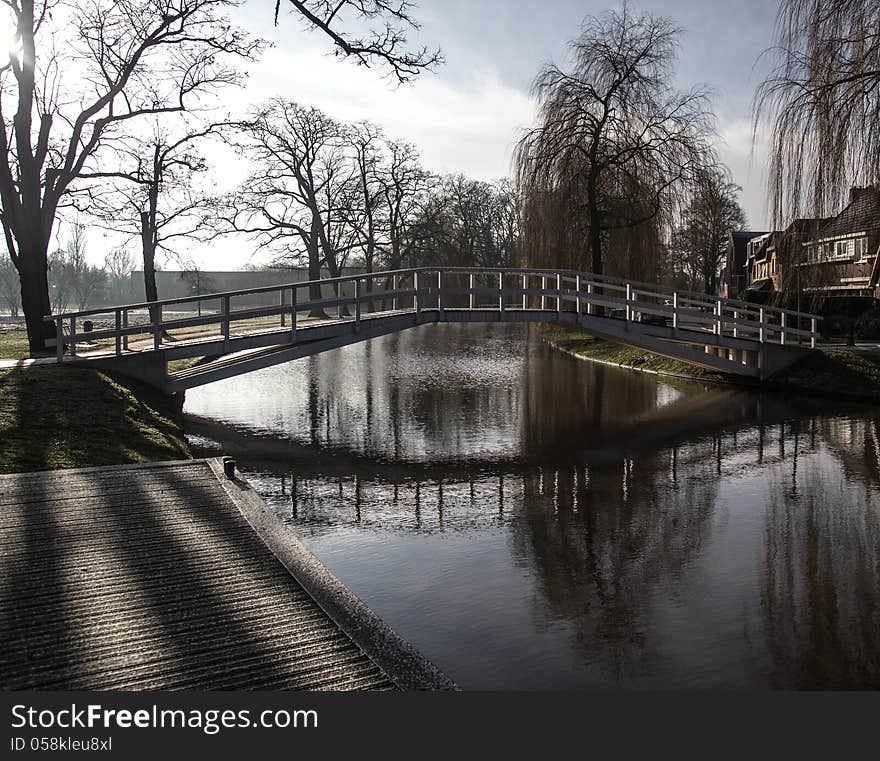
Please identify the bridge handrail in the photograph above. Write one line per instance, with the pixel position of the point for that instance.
(711, 314)
(654, 288)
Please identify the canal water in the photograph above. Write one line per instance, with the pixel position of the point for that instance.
(529, 520)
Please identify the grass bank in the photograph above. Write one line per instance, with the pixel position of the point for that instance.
(13, 344)
(583, 345)
(53, 417)
(839, 373)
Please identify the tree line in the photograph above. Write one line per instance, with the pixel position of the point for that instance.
(90, 84)
(330, 194)
(108, 106)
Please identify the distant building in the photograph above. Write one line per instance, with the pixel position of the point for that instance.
(734, 277)
(173, 284)
(772, 259)
(841, 259)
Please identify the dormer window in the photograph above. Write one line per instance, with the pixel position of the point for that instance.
(841, 249)
(861, 249)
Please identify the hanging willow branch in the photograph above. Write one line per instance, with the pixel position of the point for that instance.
(822, 101)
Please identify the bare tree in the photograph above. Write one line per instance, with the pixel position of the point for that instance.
(83, 279)
(299, 197)
(822, 99)
(615, 144)
(404, 182)
(197, 280)
(153, 196)
(118, 264)
(388, 22)
(80, 72)
(10, 291)
(368, 142)
(700, 240)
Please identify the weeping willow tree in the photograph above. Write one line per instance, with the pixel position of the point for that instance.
(822, 101)
(615, 147)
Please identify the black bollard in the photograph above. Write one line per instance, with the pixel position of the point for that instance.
(229, 468)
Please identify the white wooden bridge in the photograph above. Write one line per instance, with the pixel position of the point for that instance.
(240, 331)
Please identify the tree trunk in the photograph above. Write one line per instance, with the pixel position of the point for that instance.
(148, 249)
(597, 265)
(32, 273)
(315, 275)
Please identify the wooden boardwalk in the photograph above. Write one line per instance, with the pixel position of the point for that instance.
(157, 577)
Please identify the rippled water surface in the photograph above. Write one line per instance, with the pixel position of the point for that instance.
(528, 520)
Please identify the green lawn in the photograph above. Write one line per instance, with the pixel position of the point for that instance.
(54, 417)
(13, 344)
(584, 345)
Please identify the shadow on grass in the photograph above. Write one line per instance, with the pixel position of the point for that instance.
(54, 417)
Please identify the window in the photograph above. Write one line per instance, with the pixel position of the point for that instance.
(861, 249)
(841, 249)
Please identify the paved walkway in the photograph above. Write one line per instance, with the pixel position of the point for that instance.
(9, 364)
(160, 577)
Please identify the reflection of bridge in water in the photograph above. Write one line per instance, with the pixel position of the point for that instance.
(724, 335)
(605, 539)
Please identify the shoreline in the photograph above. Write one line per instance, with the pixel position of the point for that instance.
(853, 374)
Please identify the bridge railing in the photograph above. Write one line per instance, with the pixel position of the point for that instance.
(356, 297)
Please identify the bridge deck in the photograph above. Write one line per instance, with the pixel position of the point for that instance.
(721, 334)
(153, 578)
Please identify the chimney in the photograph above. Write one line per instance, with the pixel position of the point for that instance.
(856, 194)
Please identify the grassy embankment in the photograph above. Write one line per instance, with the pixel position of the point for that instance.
(842, 373)
(53, 417)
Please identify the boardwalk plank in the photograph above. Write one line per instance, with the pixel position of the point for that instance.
(151, 578)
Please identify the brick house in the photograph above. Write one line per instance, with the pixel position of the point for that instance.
(841, 259)
(772, 258)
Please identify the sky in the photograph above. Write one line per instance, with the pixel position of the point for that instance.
(467, 116)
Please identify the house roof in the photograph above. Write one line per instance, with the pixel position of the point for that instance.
(739, 240)
(860, 214)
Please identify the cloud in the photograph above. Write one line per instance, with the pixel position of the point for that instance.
(470, 126)
(747, 165)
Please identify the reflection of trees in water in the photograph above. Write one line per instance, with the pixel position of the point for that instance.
(856, 441)
(602, 540)
(820, 590)
(417, 394)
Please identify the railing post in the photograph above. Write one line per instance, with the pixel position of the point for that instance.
(118, 329)
(395, 287)
(500, 291)
(59, 340)
(589, 297)
(472, 279)
(125, 326)
(577, 299)
(357, 306)
(735, 320)
(629, 290)
(417, 298)
(559, 295)
(293, 314)
(225, 324)
(717, 328)
(782, 325)
(761, 329)
(73, 336)
(157, 327)
(812, 332)
(543, 292)
(525, 287)
(675, 310)
(281, 304)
